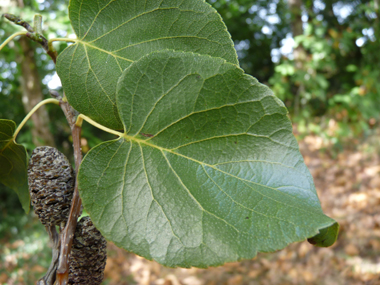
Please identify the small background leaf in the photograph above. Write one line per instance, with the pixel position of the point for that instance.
(218, 178)
(13, 163)
(113, 34)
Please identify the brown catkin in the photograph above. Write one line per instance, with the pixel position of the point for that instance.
(51, 185)
(88, 254)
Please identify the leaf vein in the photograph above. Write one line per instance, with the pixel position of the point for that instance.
(164, 38)
(159, 99)
(100, 10)
(154, 199)
(199, 112)
(230, 135)
(122, 191)
(131, 19)
(220, 188)
(97, 79)
(188, 191)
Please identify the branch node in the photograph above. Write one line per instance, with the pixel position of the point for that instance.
(35, 34)
(37, 23)
(55, 95)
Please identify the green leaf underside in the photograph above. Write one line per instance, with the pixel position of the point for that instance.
(326, 237)
(216, 175)
(13, 163)
(113, 34)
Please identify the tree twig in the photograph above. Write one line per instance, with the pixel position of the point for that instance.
(19, 22)
(34, 36)
(50, 275)
(67, 234)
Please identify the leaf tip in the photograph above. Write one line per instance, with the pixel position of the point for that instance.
(26, 208)
(326, 237)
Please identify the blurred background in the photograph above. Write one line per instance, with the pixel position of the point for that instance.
(321, 57)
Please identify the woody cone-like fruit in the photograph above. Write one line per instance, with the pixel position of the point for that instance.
(51, 185)
(88, 254)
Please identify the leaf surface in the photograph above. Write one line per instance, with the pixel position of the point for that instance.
(208, 170)
(13, 163)
(113, 34)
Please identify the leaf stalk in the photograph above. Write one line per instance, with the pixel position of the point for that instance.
(82, 117)
(68, 40)
(11, 38)
(27, 117)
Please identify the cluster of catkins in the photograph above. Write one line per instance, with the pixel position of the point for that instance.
(51, 187)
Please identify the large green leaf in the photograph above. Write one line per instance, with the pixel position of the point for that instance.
(13, 163)
(208, 170)
(113, 34)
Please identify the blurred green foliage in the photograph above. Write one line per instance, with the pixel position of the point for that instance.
(335, 93)
(256, 28)
(24, 254)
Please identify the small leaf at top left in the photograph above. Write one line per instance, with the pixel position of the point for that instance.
(13, 163)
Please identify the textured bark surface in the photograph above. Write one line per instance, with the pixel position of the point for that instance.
(299, 52)
(51, 185)
(88, 254)
(32, 94)
(297, 30)
(31, 84)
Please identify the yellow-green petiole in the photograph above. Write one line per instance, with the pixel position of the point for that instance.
(44, 102)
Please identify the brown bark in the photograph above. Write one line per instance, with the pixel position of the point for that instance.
(377, 21)
(297, 30)
(67, 234)
(31, 86)
(299, 52)
(32, 95)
